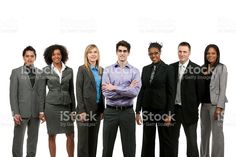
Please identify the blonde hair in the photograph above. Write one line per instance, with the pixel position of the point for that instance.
(86, 61)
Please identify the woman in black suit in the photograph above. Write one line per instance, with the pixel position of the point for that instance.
(90, 102)
(60, 100)
(156, 99)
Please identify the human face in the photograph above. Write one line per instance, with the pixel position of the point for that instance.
(29, 58)
(56, 56)
(122, 53)
(93, 56)
(183, 53)
(154, 54)
(211, 56)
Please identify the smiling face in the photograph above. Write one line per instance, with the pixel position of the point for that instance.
(56, 56)
(29, 58)
(93, 55)
(183, 54)
(154, 54)
(122, 53)
(211, 56)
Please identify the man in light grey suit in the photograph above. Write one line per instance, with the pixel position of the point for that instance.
(25, 100)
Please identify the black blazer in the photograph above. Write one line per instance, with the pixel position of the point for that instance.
(159, 95)
(190, 94)
(86, 92)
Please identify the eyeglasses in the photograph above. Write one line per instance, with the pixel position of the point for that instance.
(153, 53)
(122, 50)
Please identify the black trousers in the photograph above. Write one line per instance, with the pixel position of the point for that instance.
(88, 138)
(125, 120)
(153, 120)
(190, 132)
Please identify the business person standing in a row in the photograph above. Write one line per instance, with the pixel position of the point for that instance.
(156, 98)
(25, 89)
(59, 102)
(213, 103)
(90, 102)
(187, 99)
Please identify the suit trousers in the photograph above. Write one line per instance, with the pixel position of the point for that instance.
(32, 125)
(125, 120)
(88, 138)
(211, 126)
(151, 121)
(190, 132)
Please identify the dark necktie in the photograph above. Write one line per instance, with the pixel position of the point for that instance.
(153, 73)
(31, 73)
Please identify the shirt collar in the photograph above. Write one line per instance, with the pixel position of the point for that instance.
(157, 64)
(185, 64)
(117, 65)
(92, 67)
(62, 68)
(31, 67)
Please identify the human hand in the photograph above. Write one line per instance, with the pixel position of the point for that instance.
(217, 113)
(82, 117)
(17, 119)
(138, 119)
(42, 117)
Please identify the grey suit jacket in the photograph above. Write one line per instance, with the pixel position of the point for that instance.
(218, 86)
(25, 99)
(86, 92)
(59, 93)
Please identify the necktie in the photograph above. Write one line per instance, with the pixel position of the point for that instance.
(181, 71)
(153, 73)
(178, 92)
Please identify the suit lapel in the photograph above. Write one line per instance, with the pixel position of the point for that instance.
(26, 76)
(90, 74)
(186, 72)
(56, 75)
(176, 67)
(147, 74)
(158, 70)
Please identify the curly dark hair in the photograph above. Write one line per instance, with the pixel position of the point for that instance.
(49, 51)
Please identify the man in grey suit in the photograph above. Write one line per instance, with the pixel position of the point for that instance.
(25, 101)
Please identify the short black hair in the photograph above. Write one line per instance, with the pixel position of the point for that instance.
(123, 43)
(49, 51)
(29, 48)
(184, 43)
(216, 48)
(155, 45)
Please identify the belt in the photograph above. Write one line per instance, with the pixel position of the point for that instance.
(121, 108)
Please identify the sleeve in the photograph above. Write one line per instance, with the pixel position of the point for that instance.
(106, 93)
(72, 93)
(79, 91)
(140, 95)
(223, 84)
(130, 92)
(42, 91)
(170, 89)
(14, 85)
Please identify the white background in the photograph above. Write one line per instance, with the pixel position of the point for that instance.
(76, 24)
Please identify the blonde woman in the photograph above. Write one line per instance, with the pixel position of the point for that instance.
(90, 102)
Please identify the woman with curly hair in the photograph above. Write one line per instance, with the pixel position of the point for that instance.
(59, 103)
